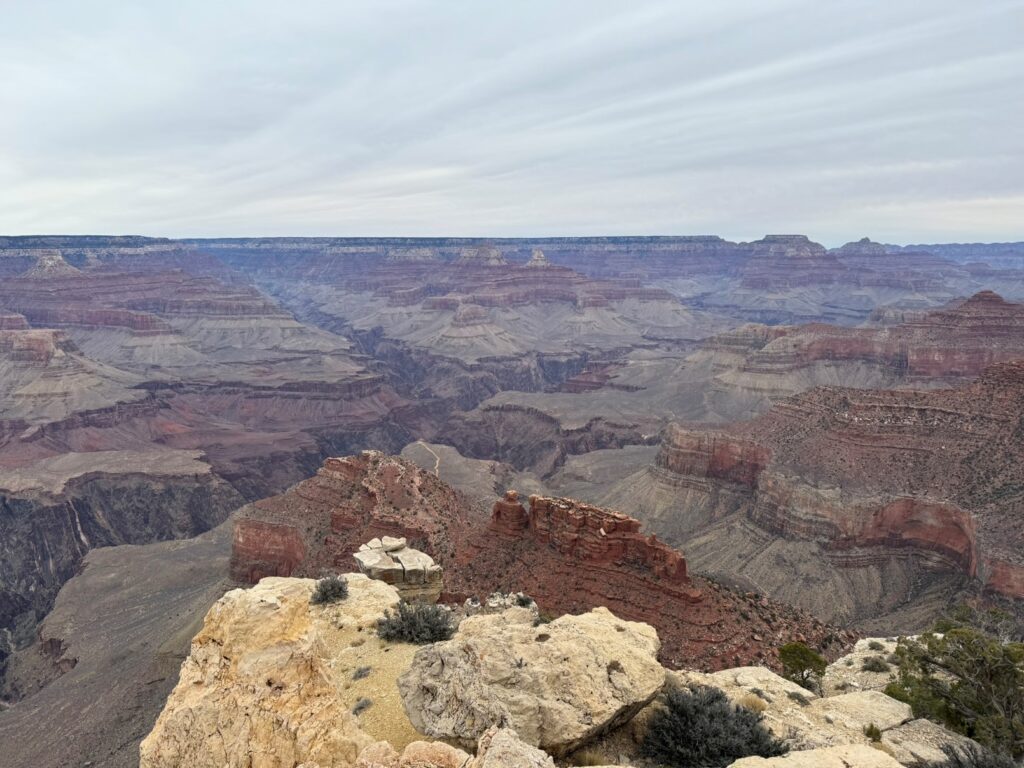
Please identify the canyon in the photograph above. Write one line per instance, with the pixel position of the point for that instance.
(567, 555)
(852, 503)
(830, 429)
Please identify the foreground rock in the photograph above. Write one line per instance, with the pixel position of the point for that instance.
(848, 673)
(567, 555)
(813, 725)
(419, 754)
(261, 685)
(849, 756)
(558, 685)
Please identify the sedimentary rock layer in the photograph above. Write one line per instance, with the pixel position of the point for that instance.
(569, 556)
(868, 479)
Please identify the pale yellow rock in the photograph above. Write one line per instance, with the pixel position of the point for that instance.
(558, 685)
(502, 748)
(419, 754)
(820, 722)
(857, 710)
(847, 674)
(831, 721)
(846, 756)
(258, 689)
(920, 742)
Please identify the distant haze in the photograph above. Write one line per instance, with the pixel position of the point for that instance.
(895, 119)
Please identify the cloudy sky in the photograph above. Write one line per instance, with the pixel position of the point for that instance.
(898, 119)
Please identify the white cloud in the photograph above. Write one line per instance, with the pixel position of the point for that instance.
(896, 120)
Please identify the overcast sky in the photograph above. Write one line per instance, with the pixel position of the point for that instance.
(898, 119)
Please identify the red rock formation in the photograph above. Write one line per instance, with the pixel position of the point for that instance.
(11, 321)
(602, 536)
(569, 556)
(508, 516)
(950, 344)
(713, 455)
(939, 473)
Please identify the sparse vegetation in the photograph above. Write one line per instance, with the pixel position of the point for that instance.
(874, 645)
(968, 674)
(875, 664)
(699, 726)
(418, 623)
(753, 702)
(803, 665)
(873, 732)
(329, 590)
(361, 706)
(798, 697)
(761, 694)
(524, 601)
(362, 672)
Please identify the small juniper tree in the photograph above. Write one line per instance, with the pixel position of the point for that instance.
(969, 679)
(802, 665)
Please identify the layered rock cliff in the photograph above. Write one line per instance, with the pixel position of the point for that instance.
(569, 556)
(870, 495)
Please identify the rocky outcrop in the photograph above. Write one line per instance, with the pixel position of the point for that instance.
(904, 485)
(568, 556)
(815, 727)
(258, 683)
(712, 455)
(413, 573)
(848, 673)
(846, 756)
(558, 685)
(50, 264)
(590, 534)
(322, 522)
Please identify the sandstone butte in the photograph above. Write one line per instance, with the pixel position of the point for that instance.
(937, 472)
(569, 556)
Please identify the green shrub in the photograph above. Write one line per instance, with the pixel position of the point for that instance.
(418, 623)
(799, 698)
(329, 590)
(802, 665)
(873, 732)
(874, 645)
(969, 678)
(361, 706)
(875, 664)
(698, 726)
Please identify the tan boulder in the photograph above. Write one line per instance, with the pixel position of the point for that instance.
(856, 711)
(502, 748)
(846, 756)
(419, 754)
(805, 720)
(413, 573)
(258, 689)
(920, 742)
(810, 724)
(558, 685)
